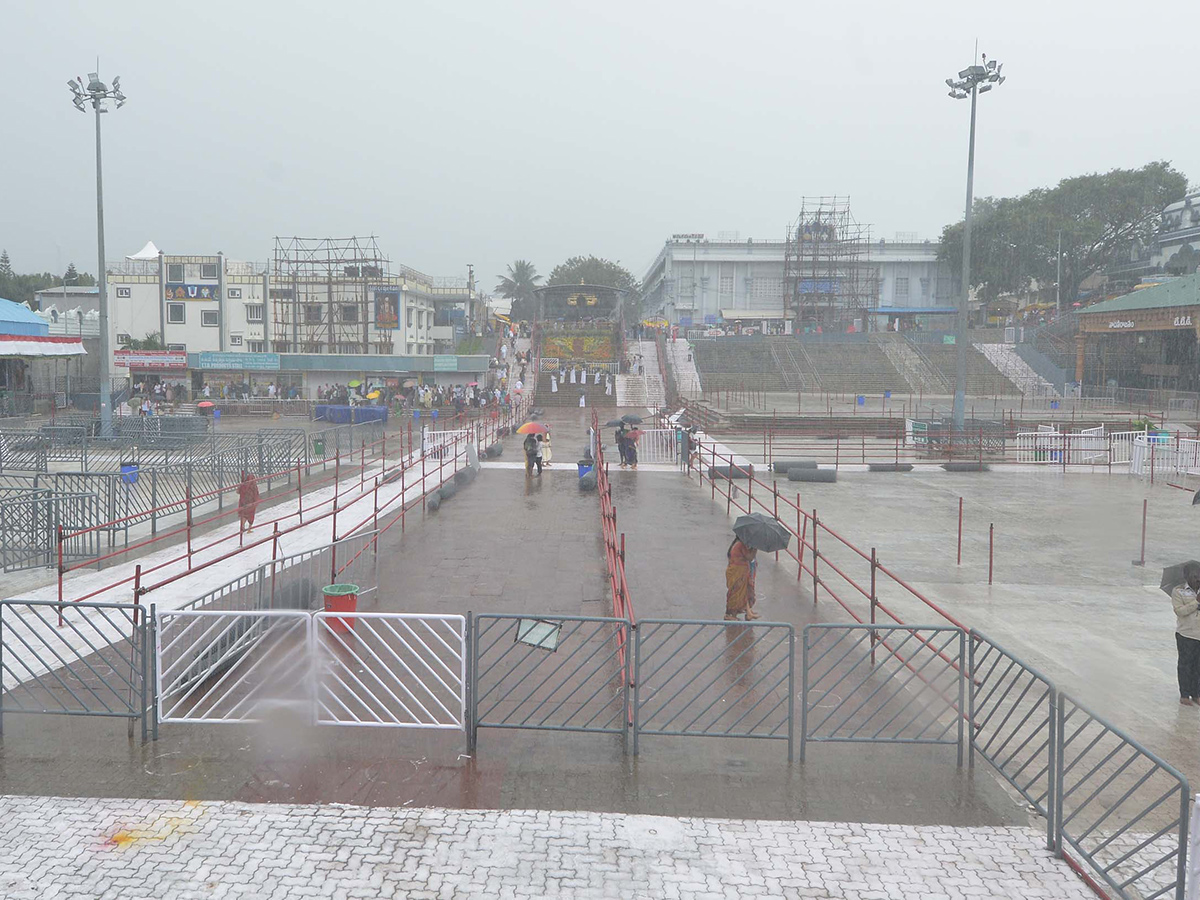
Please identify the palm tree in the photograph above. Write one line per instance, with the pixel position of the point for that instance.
(518, 286)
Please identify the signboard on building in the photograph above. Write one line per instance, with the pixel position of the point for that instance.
(191, 292)
(257, 362)
(387, 308)
(150, 359)
(445, 364)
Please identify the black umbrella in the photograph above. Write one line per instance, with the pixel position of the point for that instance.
(613, 423)
(761, 532)
(631, 419)
(1174, 576)
(1196, 499)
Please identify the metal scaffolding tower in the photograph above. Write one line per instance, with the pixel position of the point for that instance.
(829, 281)
(320, 295)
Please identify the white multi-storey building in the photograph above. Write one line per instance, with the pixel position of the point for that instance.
(695, 281)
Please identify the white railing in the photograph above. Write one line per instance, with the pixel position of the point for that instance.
(658, 445)
(1046, 446)
(1163, 455)
(1121, 445)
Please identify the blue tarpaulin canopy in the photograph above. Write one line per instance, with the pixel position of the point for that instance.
(18, 319)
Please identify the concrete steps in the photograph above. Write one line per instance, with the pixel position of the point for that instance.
(1005, 358)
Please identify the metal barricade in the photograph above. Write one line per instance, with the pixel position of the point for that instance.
(396, 670)
(221, 666)
(888, 684)
(1120, 808)
(555, 673)
(714, 679)
(96, 664)
(1013, 714)
(658, 445)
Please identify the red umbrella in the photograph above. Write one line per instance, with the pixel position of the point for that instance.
(472, 384)
(634, 434)
(205, 404)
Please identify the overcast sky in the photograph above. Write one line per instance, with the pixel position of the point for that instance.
(478, 131)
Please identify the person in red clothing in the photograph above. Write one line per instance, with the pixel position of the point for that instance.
(247, 502)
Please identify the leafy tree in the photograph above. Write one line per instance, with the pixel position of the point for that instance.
(152, 341)
(22, 288)
(518, 286)
(1014, 240)
(596, 270)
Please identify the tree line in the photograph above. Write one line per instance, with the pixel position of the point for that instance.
(522, 278)
(22, 288)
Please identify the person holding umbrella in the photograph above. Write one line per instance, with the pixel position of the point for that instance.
(1182, 582)
(752, 533)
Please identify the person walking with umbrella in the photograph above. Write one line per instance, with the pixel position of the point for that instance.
(1185, 579)
(752, 533)
(247, 502)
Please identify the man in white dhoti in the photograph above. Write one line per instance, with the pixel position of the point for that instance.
(582, 400)
(553, 384)
(597, 381)
(608, 387)
(572, 374)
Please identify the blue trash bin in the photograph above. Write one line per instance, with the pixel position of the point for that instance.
(584, 468)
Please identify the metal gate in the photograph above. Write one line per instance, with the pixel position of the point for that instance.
(891, 684)
(96, 663)
(29, 523)
(658, 445)
(714, 679)
(559, 673)
(396, 670)
(233, 665)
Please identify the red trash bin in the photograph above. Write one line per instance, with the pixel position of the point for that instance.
(341, 598)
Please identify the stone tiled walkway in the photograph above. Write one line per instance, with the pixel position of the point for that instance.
(100, 849)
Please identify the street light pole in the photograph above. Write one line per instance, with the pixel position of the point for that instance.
(106, 425)
(960, 338)
(97, 93)
(972, 81)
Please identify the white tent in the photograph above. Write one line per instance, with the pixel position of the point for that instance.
(147, 252)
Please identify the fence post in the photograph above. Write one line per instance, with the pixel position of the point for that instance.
(375, 540)
(971, 720)
(816, 527)
(362, 475)
(775, 493)
(189, 516)
(991, 546)
(801, 531)
(837, 453)
(299, 494)
(153, 502)
(59, 547)
(1140, 561)
(874, 601)
(804, 694)
(962, 688)
(960, 514)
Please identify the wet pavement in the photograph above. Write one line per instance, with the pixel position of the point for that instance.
(510, 544)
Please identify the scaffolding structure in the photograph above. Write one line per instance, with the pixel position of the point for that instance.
(320, 295)
(829, 280)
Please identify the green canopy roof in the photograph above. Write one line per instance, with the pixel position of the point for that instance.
(1179, 292)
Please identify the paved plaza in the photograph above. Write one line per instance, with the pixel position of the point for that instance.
(53, 848)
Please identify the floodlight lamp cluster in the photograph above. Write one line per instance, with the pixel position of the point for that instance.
(981, 77)
(95, 92)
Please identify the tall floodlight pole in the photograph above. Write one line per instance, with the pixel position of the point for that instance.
(97, 93)
(972, 81)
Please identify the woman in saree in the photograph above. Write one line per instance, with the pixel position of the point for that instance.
(247, 502)
(739, 581)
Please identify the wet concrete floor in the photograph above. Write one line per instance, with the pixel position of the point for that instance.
(511, 544)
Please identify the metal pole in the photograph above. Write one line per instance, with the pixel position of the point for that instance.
(960, 340)
(991, 549)
(816, 528)
(106, 426)
(960, 512)
(1058, 279)
(874, 601)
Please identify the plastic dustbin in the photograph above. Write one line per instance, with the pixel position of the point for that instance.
(585, 466)
(319, 447)
(341, 598)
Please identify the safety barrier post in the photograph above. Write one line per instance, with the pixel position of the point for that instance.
(375, 525)
(189, 519)
(274, 558)
(801, 531)
(991, 544)
(816, 527)
(422, 480)
(712, 472)
(299, 494)
(775, 492)
(874, 601)
(960, 512)
(837, 453)
(59, 543)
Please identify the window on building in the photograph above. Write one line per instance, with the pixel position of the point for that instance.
(349, 313)
(313, 346)
(235, 293)
(313, 314)
(409, 350)
(175, 273)
(901, 290)
(208, 270)
(767, 289)
(281, 346)
(726, 287)
(409, 317)
(256, 346)
(210, 318)
(122, 339)
(924, 288)
(123, 293)
(235, 340)
(175, 313)
(254, 312)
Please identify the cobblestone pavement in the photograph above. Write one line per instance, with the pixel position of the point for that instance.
(100, 849)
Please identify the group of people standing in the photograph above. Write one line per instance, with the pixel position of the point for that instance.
(626, 446)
